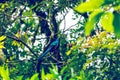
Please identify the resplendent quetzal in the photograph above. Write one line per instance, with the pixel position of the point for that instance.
(50, 48)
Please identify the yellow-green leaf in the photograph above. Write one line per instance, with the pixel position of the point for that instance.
(116, 23)
(107, 21)
(68, 52)
(15, 43)
(4, 73)
(18, 35)
(92, 20)
(34, 77)
(28, 13)
(50, 76)
(2, 38)
(117, 7)
(43, 74)
(4, 5)
(88, 6)
(2, 45)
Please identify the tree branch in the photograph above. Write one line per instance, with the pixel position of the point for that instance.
(19, 40)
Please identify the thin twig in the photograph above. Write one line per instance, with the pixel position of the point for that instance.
(72, 25)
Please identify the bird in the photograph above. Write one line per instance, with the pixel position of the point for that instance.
(52, 46)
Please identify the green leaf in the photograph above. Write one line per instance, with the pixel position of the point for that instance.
(34, 77)
(107, 21)
(116, 8)
(92, 20)
(63, 70)
(68, 52)
(2, 43)
(28, 13)
(116, 23)
(89, 6)
(4, 73)
(19, 78)
(2, 38)
(43, 74)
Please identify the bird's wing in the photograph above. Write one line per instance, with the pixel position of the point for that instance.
(53, 44)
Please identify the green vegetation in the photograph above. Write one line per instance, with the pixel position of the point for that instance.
(33, 46)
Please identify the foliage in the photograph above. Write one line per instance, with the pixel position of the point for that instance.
(29, 27)
(1, 42)
(2, 57)
(101, 58)
(4, 73)
(54, 74)
(98, 60)
(103, 12)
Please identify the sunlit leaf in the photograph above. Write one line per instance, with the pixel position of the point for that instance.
(88, 6)
(2, 43)
(111, 45)
(28, 13)
(43, 74)
(86, 64)
(82, 74)
(4, 73)
(68, 52)
(92, 20)
(107, 21)
(117, 7)
(4, 5)
(116, 24)
(1, 46)
(15, 43)
(103, 34)
(34, 77)
(2, 38)
(18, 35)
(50, 76)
